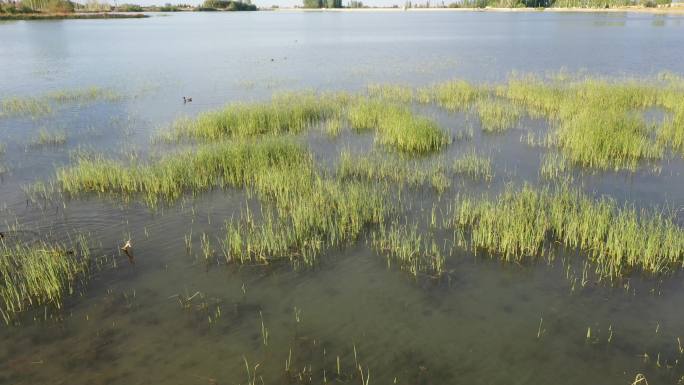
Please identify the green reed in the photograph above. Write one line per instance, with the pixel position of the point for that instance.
(412, 251)
(454, 95)
(229, 164)
(497, 116)
(40, 274)
(397, 127)
(391, 169)
(314, 214)
(554, 165)
(598, 121)
(37, 106)
(289, 113)
(474, 166)
(48, 138)
(521, 224)
(391, 92)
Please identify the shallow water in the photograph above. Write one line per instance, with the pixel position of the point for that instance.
(486, 323)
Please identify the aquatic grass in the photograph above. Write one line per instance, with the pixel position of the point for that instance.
(37, 106)
(497, 116)
(16, 106)
(454, 95)
(305, 211)
(324, 214)
(397, 126)
(474, 166)
(48, 138)
(605, 139)
(520, 224)
(672, 131)
(229, 164)
(391, 169)
(40, 274)
(289, 113)
(391, 92)
(554, 165)
(596, 120)
(412, 251)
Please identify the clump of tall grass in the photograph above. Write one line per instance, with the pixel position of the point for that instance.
(474, 166)
(397, 127)
(672, 131)
(412, 251)
(228, 164)
(322, 214)
(454, 95)
(40, 274)
(606, 139)
(285, 114)
(597, 123)
(520, 224)
(390, 169)
(497, 116)
(391, 92)
(49, 138)
(44, 104)
(554, 165)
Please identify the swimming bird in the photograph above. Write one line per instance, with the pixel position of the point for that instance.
(187, 100)
(128, 249)
(128, 246)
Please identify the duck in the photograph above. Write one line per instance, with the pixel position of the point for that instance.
(128, 246)
(128, 249)
(187, 100)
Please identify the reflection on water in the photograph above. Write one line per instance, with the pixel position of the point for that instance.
(173, 318)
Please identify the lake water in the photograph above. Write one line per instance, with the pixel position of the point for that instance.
(488, 323)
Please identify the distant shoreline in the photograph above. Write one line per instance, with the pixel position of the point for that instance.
(659, 10)
(65, 16)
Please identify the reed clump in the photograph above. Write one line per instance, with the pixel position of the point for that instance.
(475, 166)
(290, 113)
(497, 116)
(597, 121)
(397, 127)
(554, 165)
(49, 138)
(40, 274)
(228, 164)
(412, 251)
(454, 95)
(321, 215)
(392, 170)
(45, 104)
(519, 224)
(391, 92)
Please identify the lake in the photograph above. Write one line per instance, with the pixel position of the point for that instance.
(172, 317)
